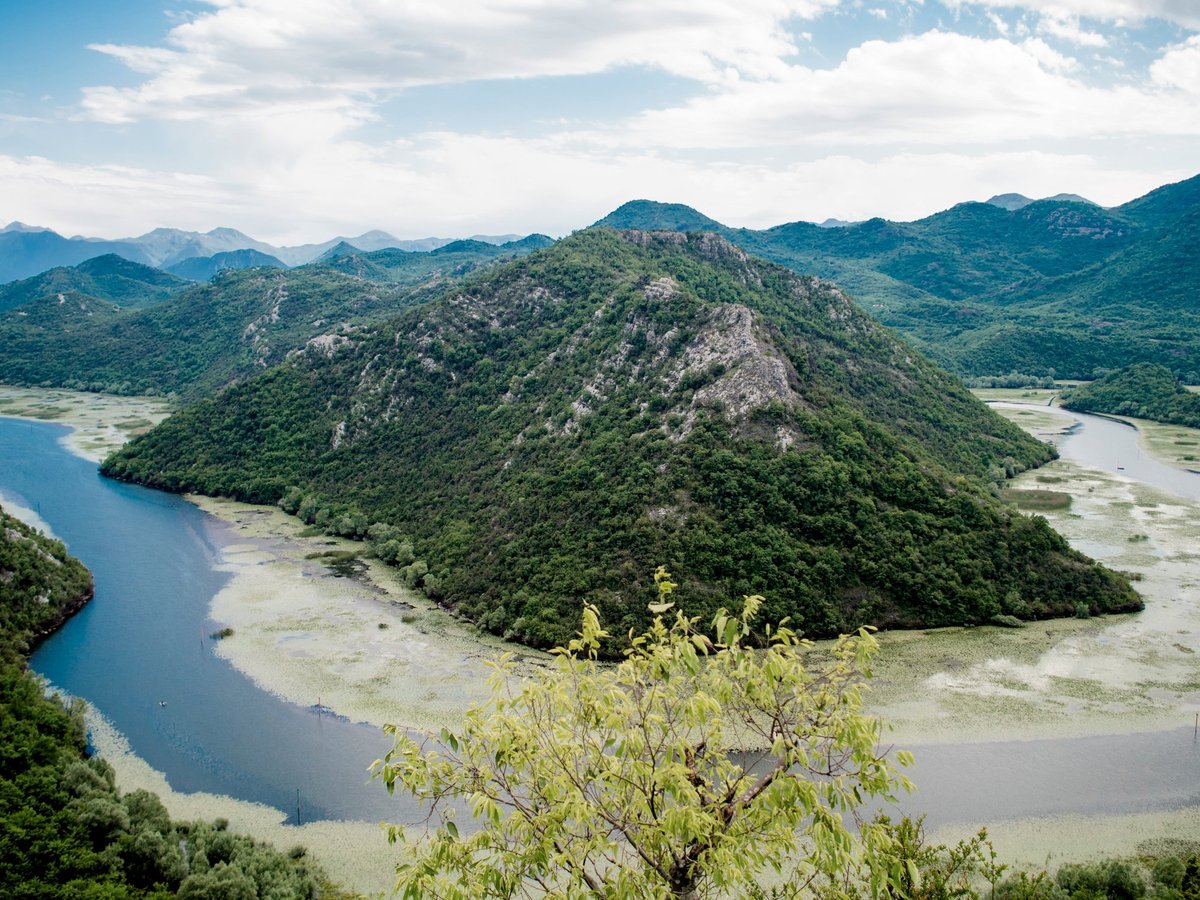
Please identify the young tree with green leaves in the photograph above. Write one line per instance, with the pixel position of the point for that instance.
(595, 780)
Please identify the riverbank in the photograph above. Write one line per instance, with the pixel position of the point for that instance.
(313, 629)
(1067, 677)
(308, 635)
(354, 854)
(100, 423)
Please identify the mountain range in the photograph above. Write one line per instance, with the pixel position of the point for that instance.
(27, 250)
(1051, 287)
(113, 325)
(1057, 286)
(550, 429)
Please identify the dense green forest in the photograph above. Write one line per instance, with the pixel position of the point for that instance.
(1143, 390)
(1056, 287)
(65, 829)
(229, 328)
(559, 426)
(110, 278)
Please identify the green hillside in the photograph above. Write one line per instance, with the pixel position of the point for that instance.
(109, 278)
(557, 427)
(1056, 286)
(40, 586)
(212, 334)
(1143, 390)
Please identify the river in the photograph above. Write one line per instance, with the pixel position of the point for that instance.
(141, 653)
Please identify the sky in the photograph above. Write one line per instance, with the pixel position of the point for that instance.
(295, 120)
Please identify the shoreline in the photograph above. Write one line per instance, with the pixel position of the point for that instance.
(299, 631)
(364, 647)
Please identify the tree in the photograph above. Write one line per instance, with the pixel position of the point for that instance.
(592, 780)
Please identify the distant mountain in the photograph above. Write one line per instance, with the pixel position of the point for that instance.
(376, 240)
(227, 329)
(25, 252)
(453, 260)
(551, 430)
(109, 278)
(21, 226)
(168, 246)
(1054, 286)
(1013, 202)
(202, 268)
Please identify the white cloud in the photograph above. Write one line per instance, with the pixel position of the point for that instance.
(273, 91)
(262, 56)
(111, 201)
(1049, 58)
(938, 88)
(1181, 12)
(1067, 28)
(1179, 67)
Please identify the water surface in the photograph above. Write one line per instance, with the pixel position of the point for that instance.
(143, 642)
(141, 654)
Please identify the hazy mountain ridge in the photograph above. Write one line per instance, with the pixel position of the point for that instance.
(205, 336)
(559, 425)
(202, 268)
(27, 250)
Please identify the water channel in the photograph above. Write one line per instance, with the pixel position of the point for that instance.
(141, 654)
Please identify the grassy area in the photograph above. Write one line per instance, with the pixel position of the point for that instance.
(1037, 499)
(1016, 395)
(1173, 444)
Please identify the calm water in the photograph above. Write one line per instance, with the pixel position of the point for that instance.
(143, 640)
(1112, 446)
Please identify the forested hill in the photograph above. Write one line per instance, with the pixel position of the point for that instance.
(40, 586)
(1143, 390)
(559, 426)
(1056, 285)
(109, 278)
(212, 334)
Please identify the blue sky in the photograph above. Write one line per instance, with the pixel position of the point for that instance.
(295, 120)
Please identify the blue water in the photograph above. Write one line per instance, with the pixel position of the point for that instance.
(143, 640)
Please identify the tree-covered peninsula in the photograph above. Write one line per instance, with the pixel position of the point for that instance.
(1143, 390)
(559, 426)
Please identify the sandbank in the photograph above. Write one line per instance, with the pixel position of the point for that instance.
(100, 423)
(364, 646)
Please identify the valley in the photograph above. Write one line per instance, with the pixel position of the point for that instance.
(298, 632)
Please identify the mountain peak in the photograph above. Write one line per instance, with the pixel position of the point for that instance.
(22, 227)
(1013, 202)
(651, 215)
(338, 250)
